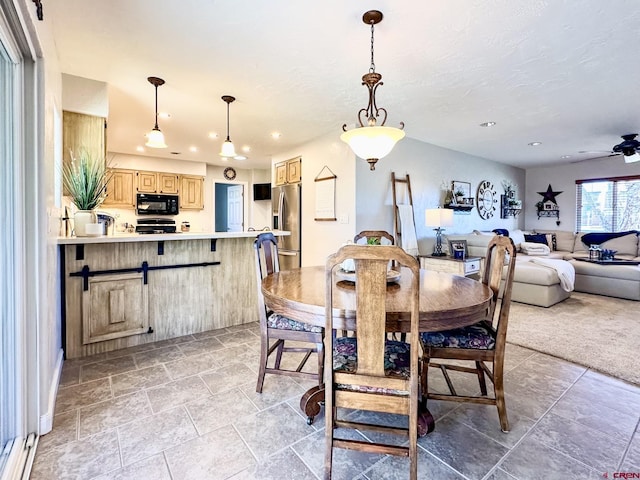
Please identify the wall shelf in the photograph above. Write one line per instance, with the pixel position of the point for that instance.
(549, 213)
(507, 210)
(459, 208)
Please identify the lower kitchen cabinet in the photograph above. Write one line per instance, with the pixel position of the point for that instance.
(114, 306)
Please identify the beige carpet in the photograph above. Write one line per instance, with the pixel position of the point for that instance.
(602, 333)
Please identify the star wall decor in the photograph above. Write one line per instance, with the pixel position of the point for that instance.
(549, 195)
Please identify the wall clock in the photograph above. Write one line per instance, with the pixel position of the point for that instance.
(230, 173)
(486, 199)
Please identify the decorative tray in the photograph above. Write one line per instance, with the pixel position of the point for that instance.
(392, 276)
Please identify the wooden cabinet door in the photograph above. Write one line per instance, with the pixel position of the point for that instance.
(83, 132)
(147, 182)
(120, 190)
(168, 183)
(281, 173)
(191, 192)
(294, 174)
(114, 306)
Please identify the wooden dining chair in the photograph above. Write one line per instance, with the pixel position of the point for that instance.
(276, 330)
(480, 343)
(374, 237)
(370, 372)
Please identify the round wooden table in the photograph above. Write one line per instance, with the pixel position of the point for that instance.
(446, 301)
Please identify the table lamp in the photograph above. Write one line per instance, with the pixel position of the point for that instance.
(438, 217)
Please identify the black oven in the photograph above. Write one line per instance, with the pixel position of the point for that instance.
(154, 204)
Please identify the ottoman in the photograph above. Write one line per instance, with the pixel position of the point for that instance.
(536, 285)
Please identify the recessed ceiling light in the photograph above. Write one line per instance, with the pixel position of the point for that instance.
(535, 144)
(213, 135)
(239, 157)
(276, 135)
(487, 124)
(139, 149)
(193, 149)
(565, 156)
(246, 148)
(164, 115)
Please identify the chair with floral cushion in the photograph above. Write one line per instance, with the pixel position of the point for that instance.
(276, 330)
(480, 343)
(370, 372)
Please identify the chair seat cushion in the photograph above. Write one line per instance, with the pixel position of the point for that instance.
(283, 323)
(478, 337)
(396, 363)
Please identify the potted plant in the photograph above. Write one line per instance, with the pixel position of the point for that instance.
(459, 194)
(85, 180)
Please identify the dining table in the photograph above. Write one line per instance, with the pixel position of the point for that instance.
(447, 301)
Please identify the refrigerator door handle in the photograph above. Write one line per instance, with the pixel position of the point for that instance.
(280, 210)
(287, 253)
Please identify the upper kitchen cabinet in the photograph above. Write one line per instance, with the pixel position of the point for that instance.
(289, 171)
(191, 192)
(157, 182)
(120, 190)
(83, 132)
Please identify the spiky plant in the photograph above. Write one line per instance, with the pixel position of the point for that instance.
(85, 179)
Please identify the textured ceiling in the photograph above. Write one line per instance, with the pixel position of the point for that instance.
(563, 73)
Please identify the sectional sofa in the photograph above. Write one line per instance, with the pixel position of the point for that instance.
(538, 285)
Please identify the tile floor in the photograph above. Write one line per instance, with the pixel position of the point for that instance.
(187, 409)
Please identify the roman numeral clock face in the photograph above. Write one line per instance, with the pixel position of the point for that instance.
(486, 199)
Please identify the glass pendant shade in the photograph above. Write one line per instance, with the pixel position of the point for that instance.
(228, 150)
(155, 139)
(372, 142)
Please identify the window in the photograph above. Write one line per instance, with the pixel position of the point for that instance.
(608, 204)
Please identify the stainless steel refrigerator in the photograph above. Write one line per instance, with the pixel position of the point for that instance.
(286, 206)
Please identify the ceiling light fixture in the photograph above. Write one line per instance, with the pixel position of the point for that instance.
(534, 144)
(487, 124)
(228, 150)
(155, 138)
(372, 142)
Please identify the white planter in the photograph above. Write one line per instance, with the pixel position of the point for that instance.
(81, 219)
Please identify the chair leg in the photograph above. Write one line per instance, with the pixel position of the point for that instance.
(320, 350)
(264, 355)
(280, 349)
(481, 379)
(498, 389)
(424, 383)
(328, 449)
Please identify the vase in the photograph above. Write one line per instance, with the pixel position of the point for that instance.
(80, 219)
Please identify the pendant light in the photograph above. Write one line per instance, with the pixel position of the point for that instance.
(155, 138)
(371, 141)
(228, 150)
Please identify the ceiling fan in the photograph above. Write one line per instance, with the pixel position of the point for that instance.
(629, 148)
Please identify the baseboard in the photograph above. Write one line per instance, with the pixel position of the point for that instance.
(46, 419)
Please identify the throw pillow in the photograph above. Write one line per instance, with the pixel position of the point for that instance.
(518, 237)
(536, 238)
(551, 241)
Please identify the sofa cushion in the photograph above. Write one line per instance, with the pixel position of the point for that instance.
(564, 239)
(622, 272)
(626, 245)
(527, 272)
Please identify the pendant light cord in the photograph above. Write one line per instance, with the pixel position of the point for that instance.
(156, 126)
(228, 139)
(372, 68)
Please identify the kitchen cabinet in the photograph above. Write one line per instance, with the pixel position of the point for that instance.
(120, 189)
(289, 171)
(168, 182)
(114, 306)
(83, 132)
(157, 182)
(147, 182)
(191, 192)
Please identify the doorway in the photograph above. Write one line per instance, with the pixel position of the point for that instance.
(229, 207)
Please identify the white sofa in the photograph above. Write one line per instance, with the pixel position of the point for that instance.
(540, 286)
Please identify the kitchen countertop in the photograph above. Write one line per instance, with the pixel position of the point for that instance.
(162, 237)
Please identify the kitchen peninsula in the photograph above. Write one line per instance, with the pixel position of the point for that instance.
(120, 291)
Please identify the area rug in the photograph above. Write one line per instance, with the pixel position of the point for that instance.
(598, 332)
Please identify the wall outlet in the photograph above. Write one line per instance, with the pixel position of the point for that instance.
(344, 218)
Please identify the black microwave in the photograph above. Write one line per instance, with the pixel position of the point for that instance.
(154, 204)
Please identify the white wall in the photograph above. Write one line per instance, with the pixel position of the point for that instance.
(430, 168)
(562, 178)
(320, 239)
(260, 210)
(82, 95)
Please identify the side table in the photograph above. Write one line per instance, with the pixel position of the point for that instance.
(469, 267)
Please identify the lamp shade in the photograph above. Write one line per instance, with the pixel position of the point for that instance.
(372, 142)
(155, 139)
(228, 150)
(438, 217)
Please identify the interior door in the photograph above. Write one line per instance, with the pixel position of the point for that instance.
(235, 202)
